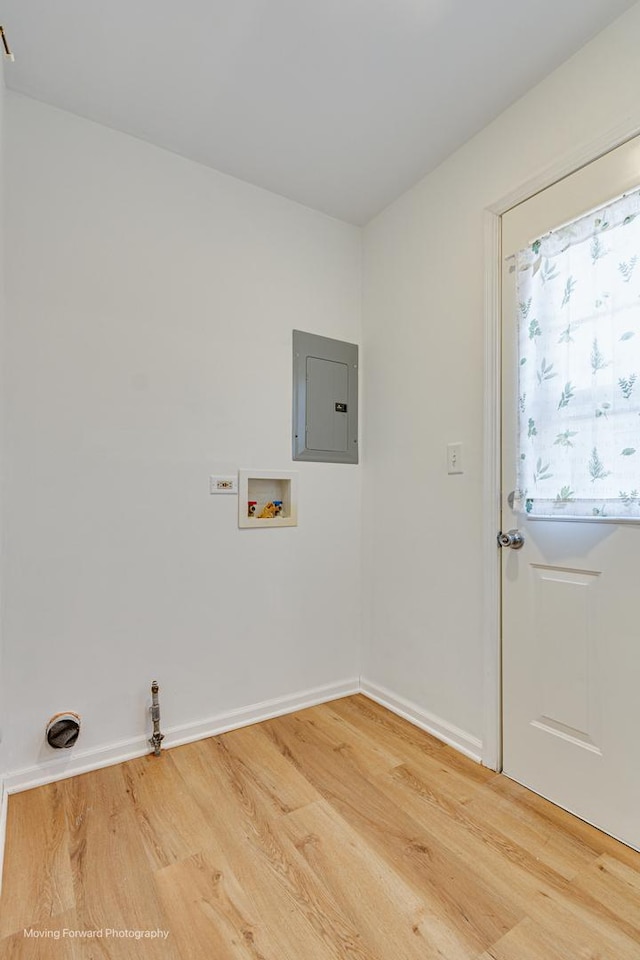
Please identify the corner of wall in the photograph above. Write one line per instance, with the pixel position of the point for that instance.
(3, 825)
(439, 728)
(3, 792)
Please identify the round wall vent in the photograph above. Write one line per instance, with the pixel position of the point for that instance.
(63, 730)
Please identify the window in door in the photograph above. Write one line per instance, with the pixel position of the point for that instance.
(578, 293)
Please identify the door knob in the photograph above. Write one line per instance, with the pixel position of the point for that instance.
(513, 539)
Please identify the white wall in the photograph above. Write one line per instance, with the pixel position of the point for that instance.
(151, 303)
(2, 315)
(423, 333)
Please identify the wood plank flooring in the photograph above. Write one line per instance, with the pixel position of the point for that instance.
(337, 833)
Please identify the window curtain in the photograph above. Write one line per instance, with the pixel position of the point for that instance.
(578, 295)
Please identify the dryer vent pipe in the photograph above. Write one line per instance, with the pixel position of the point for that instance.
(63, 730)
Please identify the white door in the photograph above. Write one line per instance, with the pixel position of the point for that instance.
(571, 593)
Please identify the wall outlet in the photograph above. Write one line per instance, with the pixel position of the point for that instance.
(223, 484)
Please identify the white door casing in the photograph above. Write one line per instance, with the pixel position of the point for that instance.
(571, 628)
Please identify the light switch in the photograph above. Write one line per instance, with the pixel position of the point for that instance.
(454, 458)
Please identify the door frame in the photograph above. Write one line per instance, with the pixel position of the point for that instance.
(492, 448)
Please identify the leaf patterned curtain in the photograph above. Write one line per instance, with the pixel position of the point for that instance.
(578, 292)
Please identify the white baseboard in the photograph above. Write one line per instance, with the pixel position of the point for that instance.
(464, 742)
(83, 762)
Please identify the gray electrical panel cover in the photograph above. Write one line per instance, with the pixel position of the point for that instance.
(325, 399)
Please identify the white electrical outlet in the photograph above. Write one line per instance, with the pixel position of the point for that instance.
(223, 484)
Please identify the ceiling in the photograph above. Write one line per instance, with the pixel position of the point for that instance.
(338, 104)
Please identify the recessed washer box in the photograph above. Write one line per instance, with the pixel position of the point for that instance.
(325, 399)
(262, 488)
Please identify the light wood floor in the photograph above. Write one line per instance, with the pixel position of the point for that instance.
(337, 833)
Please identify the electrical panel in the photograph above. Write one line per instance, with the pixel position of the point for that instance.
(325, 399)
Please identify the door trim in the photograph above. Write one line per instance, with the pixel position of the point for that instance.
(492, 641)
